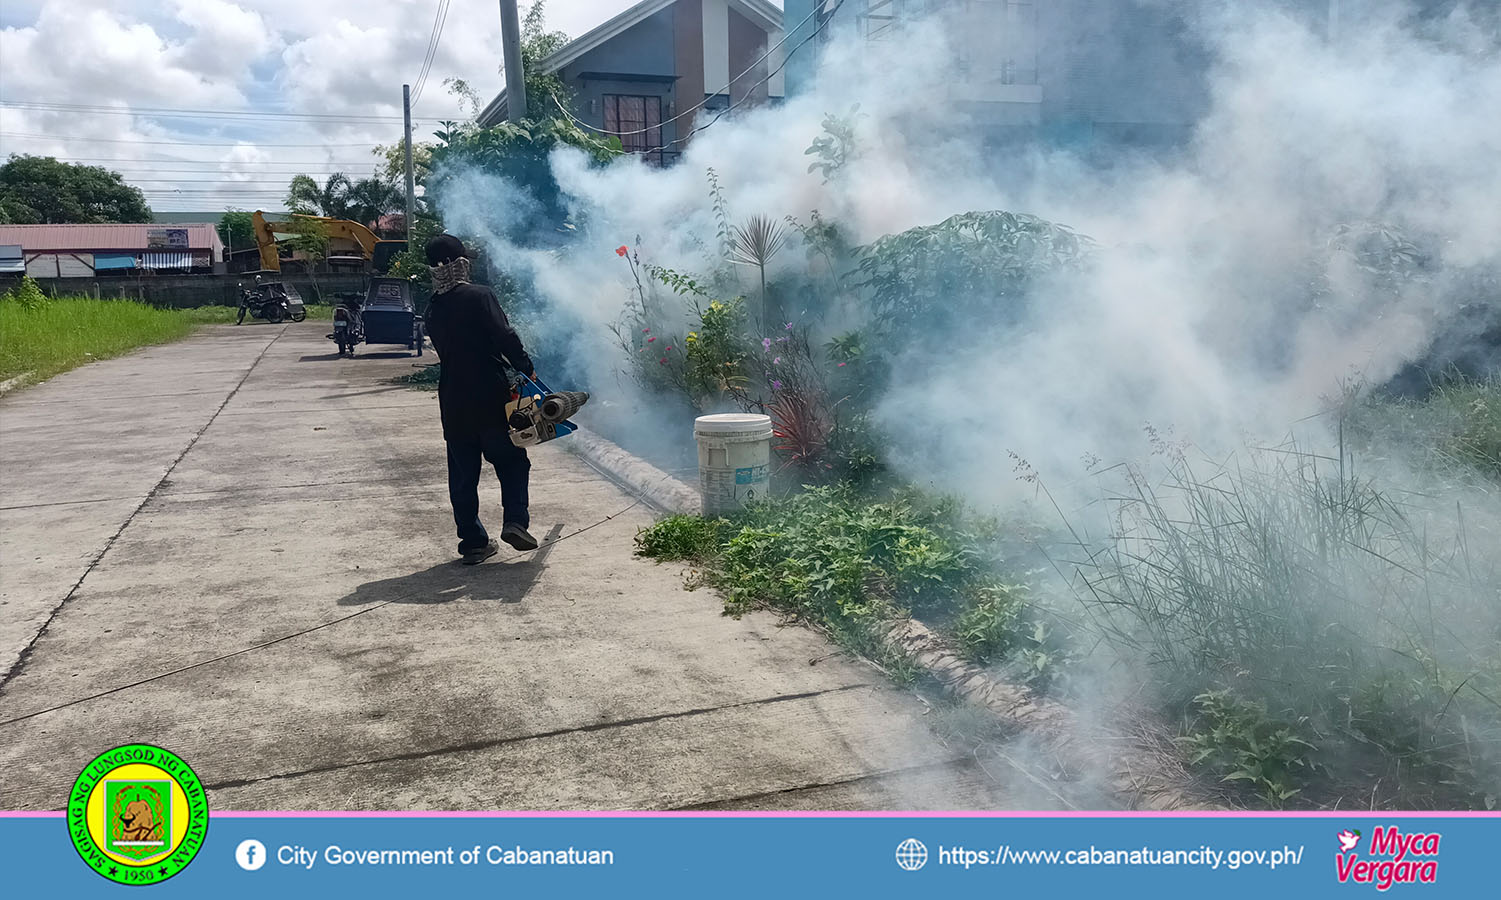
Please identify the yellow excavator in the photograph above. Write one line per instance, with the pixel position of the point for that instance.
(347, 241)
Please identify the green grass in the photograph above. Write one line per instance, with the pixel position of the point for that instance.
(1325, 640)
(853, 567)
(42, 339)
(1454, 432)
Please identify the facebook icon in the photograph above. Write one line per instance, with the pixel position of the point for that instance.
(251, 855)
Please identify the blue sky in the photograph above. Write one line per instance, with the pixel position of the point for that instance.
(258, 56)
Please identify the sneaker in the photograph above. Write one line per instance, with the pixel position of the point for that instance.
(518, 537)
(475, 557)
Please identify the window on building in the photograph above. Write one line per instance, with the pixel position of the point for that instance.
(999, 42)
(640, 115)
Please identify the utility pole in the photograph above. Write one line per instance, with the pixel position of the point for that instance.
(406, 114)
(510, 43)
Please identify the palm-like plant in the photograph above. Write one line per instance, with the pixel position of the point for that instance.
(754, 244)
(368, 199)
(306, 196)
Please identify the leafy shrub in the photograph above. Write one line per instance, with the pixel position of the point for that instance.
(836, 559)
(975, 267)
(1238, 741)
(987, 627)
(836, 147)
(705, 365)
(27, 294)
(681, 538)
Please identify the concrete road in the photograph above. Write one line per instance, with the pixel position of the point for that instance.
(239, 548)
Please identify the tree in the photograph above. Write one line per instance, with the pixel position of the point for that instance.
(309, 239)
(519, 152)
(537, 43)
(235, 229)
(368, 199)
(392, 166)
(306, 196)
(39, 190)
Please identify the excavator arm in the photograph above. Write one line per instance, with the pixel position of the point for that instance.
(344, 228)
(265, 240)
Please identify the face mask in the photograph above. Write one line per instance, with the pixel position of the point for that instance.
(450, 275)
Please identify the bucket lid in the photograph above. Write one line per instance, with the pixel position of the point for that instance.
(732, 423)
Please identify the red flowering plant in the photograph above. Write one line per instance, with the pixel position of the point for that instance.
(678, 340)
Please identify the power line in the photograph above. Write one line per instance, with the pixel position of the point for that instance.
(138, 182)
(158, 112)
(769, 75)
(138, 175)
(725, 90)
(52, 137)
(432, 50)
(214, 162)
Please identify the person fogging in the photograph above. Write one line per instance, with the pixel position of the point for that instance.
(479, 350)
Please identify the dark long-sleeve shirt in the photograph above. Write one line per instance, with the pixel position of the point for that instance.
(478, 348)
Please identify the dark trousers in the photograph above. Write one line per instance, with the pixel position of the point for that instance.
(464, 469)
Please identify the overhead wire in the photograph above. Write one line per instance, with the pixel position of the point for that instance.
(206, 162)
(242, 143)
(161, 112)
(769, 77)
(725, 90)
(432, 51)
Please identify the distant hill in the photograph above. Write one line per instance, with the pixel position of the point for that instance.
(183, 218)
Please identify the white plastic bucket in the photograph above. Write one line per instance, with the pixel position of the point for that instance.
(734, 460)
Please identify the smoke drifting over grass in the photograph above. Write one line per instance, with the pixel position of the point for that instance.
(1195, 312)
(1336, 206)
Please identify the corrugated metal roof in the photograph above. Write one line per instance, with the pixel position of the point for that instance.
(102, 237)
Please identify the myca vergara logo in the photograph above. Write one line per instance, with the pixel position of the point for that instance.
(1391, 858)
(137, 814)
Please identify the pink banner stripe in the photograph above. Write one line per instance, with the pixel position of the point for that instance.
(757, 814)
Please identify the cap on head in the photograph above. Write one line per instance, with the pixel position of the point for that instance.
(445, 248)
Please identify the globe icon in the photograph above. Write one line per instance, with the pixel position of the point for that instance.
(911, 854)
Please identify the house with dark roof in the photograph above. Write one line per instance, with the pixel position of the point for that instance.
(664, 67)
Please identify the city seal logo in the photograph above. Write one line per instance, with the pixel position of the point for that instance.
(137, 814)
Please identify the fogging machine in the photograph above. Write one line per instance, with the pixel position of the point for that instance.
(537, 413)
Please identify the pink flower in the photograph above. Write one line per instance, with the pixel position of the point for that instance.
(777, 361)
(646, 331)
(622, 250)
(664, 360)
(789, 326)
(781, 340)
(650, 339)
(776, 385)
(841, 365)
(669, 347)
(765, 343)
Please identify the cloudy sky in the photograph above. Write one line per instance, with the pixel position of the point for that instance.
(208, 103)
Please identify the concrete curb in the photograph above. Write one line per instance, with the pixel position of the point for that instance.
(1142, 776)
(13, 384)
(658, 488)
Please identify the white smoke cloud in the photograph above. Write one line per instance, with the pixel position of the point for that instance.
(1193, 315)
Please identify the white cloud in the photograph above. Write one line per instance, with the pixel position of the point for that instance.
(237, 55)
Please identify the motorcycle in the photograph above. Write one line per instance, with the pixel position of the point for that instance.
(349, 323)
(272, 301)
